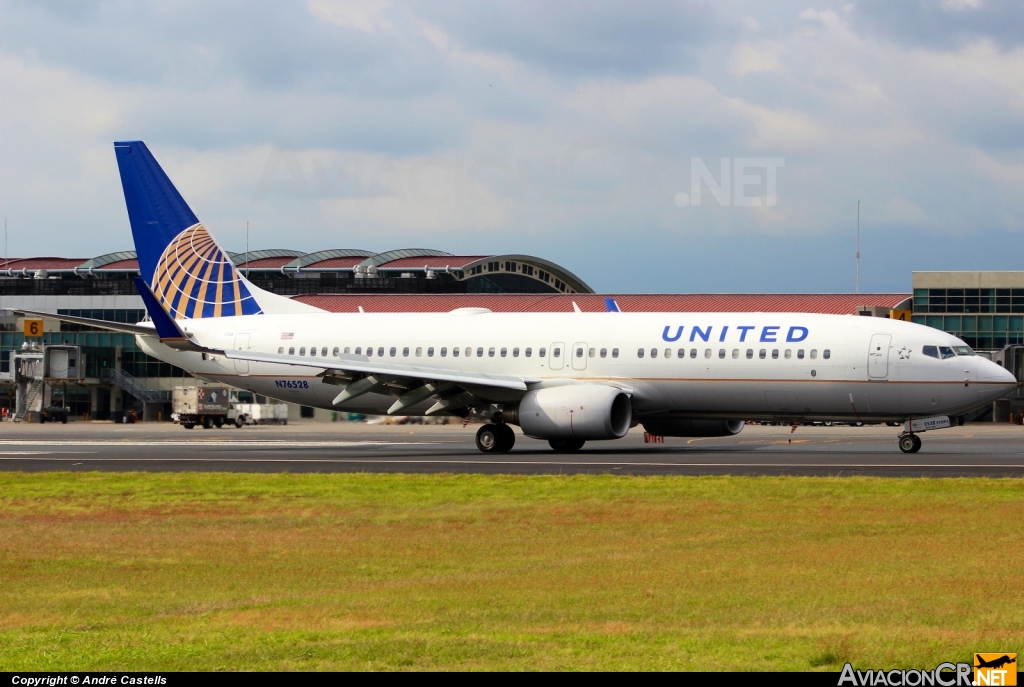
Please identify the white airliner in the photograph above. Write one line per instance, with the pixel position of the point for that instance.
(563, 377)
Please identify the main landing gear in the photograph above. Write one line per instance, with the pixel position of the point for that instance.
(495, 438)
(910, 443)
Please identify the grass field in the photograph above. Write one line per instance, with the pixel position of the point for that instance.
(213, 571)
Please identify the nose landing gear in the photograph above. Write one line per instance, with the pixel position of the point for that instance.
(910, 443)
(495, 438)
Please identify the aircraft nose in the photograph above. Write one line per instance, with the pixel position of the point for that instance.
(996, 376)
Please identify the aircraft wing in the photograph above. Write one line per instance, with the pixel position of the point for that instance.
(123, 327)
(412, 384)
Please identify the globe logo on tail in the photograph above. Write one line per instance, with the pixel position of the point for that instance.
(195, 279)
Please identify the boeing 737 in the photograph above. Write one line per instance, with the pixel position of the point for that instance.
(566, 378)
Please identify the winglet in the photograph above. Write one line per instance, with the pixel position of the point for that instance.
(575, 307)
(610, 305)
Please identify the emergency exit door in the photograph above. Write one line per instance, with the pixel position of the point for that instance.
(242, 344)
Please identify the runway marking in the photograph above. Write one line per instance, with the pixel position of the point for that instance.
(274, 443)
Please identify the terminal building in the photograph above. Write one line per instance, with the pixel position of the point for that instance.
(99, 374)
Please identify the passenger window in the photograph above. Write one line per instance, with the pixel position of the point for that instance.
(541, 352)
(735, 353)
(430, 351)
(579, 352)
(336, 352)
(455, 351)
(750, 353)
(528, 352)
(490, 352)
(800, 354)
(312, 351)
(707, 352)
(515, 352)
(405, 352)
(615, 353)
(762, 353)
(323, 351)
(721, 352)
(639, 353)
(419, 351)
(681, 353)
(504, 352)
(281, 349)
(393, 351)
(654, 352)
(826, 354)
(693, 352)
(469, 352)
(302, 351)
(775, 354)
(668, 352)
(946, 352)
(814, 353)
(604, 352)
(930, 351)
(380, 350)
(359, 350)
(557, 352)
(590, 353)
(789, 353)
(369, 351)
(291, 351)
(444, 351)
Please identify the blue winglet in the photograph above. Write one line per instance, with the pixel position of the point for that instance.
(166, 328)
(610, 305)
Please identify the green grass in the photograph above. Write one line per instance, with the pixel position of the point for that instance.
(214, 571)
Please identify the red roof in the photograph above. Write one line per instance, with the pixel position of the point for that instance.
(42, 263)
(129, 264)
(350, 261)
(437, 261)
(827, 303)
(266, 262)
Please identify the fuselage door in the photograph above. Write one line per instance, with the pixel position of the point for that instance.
(242, 344)
(556, 356)
(579, 356)
(878, 356)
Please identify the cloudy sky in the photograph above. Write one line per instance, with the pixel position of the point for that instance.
(647, 146)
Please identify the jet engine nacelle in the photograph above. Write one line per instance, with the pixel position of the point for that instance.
(575, 411)
(685, 427)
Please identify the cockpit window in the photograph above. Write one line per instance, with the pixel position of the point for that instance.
(930, 351)
(946, 352)
(963, 350)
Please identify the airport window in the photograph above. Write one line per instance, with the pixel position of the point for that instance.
(359, 350)
(430, 352)
(762, 353)
(302, 351)
(946, 352)
(281, 349)
(405, 352)
(393, 351)
(750, 353)
(654, 352)
(528, 352)
(490, 352)
(800, 354)
(604, 352)
(615, 353)
(579, 352)
(789, 353)
(556, 352)
(775, 354)
(707, 352)
(668, 352)
(639, 353)
(515, 352)
(323, 351)
(444, 351)
(504, 352)
(735, 353)
(693, 352)
(826, 354)
(591, 353)
(814, 353)
(419, 351)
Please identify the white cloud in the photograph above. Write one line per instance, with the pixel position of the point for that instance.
(365, 15)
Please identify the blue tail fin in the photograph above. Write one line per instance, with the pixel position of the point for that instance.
(610, 305)
(187, 272)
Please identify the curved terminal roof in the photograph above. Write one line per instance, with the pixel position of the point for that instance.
(382, 258)
(333, 257)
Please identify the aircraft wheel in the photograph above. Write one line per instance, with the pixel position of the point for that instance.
(506, 438)
(917, 444)
(909, 443)
(488, 439)
(566, 445)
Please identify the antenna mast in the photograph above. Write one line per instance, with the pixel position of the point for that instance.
(858, 247)
(247, 245)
